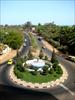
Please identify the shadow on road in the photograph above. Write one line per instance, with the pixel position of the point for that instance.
(12, 93)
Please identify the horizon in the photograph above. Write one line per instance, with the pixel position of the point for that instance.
(19, 12)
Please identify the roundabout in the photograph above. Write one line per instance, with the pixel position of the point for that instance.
(7, 77)
(50, 84)
(52, 73)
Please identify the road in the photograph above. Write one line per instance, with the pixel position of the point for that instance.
(67, 89)
(11, 91)
(62, 92)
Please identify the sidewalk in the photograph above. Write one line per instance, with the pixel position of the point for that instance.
(50, 47)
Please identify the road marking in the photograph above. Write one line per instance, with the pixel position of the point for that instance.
(67, 89)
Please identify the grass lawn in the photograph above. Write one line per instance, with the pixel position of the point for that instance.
(27, 76)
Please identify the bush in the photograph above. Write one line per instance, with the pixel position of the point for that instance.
(45, 70)
(35, 71)
(55, 66)
(59, 70)
(20, 68)
(19, 65)
(51, 71)
(17, 73)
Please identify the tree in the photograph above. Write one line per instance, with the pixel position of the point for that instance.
(41, 54)
(54, 59)
(14, 39)
(27, 26)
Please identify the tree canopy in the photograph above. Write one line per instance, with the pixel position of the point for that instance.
(63, 35)
(11, 37)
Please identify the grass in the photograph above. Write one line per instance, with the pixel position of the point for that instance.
(39, 78)
(33, 41)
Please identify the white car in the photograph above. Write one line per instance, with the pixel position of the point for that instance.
(25, 40)
(24, 44)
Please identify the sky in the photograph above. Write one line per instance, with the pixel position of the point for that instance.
(37, 11)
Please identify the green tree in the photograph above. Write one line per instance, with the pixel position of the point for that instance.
(54, 59)
(41, 54)
(14, 39)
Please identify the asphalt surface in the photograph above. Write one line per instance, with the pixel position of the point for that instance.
(60, 92)
(10, 90)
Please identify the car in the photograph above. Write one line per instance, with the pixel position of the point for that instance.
(25, 40)
(40, 38)
(10, 62)
(24, 44)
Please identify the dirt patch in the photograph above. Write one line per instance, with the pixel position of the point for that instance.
(36, 53)
(50, 47)
(7, 56)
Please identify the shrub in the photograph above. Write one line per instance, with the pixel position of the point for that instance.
(45, 70)
(20, 68)
(59, 70)
(19, 65)
(35, 71)
(51, 71)
(17, 73)
(55, 66)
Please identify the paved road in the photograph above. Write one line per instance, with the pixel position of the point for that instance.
(11, 91)
(63, 92)
(67, 89)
